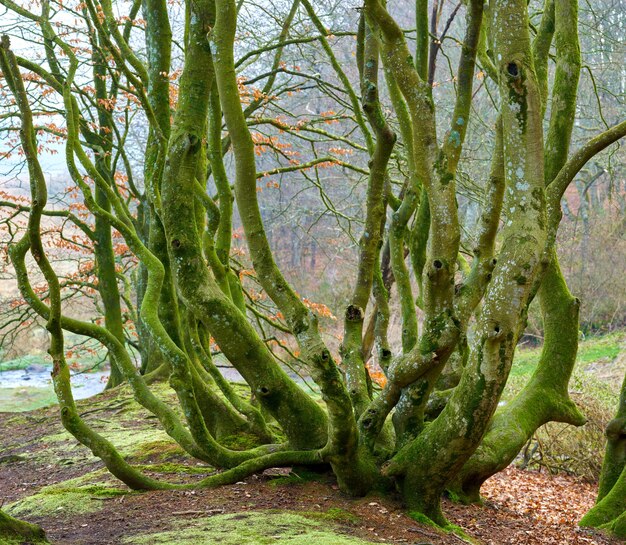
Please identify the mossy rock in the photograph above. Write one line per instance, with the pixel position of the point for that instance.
(251, 528)
(65, 500)
(160, 449)
(127, 441)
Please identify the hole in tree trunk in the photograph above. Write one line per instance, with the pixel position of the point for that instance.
(512, 69)
(354, 313)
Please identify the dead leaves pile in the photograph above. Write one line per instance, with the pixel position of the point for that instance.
(532, 508)
(555, 499)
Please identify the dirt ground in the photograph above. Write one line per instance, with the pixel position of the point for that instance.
(521, 507)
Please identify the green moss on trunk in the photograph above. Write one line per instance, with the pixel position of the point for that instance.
(17, 531)
(545, 398)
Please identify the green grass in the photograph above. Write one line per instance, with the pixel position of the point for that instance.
(605, 347)
(593, 349)
(23, 362)
(26, 399)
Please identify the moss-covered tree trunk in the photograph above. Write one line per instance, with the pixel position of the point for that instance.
(303, 420)
(610, 510)
(449, 441)
(107, 279)
(545, 398)
(103, 244)
(158, 38)
(18, 531)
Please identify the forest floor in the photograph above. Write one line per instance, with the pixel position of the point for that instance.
(46, 477)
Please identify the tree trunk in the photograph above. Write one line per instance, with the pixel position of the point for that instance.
(17, 530)
(545, 398)
(610, 510)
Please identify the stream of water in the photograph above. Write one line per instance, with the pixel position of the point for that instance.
(30, 388)
(83, 384)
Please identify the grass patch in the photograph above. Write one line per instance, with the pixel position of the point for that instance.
(241, 441)
(251, 528)
(15, 400)
(605, 347)
(128, 441)
(593, 349)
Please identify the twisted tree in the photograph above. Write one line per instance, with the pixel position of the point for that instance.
(435, 425)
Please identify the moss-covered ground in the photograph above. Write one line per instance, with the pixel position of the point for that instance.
(252, 528)
(63, 500)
